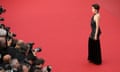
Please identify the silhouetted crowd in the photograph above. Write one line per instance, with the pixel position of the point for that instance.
(16, 55)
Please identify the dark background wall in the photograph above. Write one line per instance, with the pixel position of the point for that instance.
(62, 27)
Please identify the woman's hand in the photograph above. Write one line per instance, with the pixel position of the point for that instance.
(95, 38)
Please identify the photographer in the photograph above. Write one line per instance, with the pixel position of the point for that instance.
(16, 66)
(6, 63)
(20, 50)
(30, 57)
(37, 65)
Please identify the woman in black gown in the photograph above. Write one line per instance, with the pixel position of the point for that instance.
(94, 49)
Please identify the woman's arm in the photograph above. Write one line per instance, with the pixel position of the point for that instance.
(97, 19)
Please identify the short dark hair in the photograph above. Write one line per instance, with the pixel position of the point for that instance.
(96, 6)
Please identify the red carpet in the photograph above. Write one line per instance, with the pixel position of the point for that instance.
(62, 27)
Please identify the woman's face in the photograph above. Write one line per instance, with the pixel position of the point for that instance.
(94, 10)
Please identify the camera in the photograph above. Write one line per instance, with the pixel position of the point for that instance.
(2, 10)
(1, 19)
(7, 67)
(30, 45)
(11, 34)
(37, 50)
(49, 68)
(26, 62)
(7, 29)
(2, 26)
(1, 68)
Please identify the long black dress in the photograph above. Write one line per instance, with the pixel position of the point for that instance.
(94, 49)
